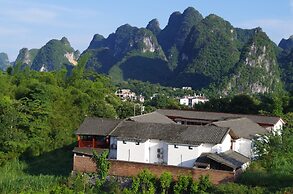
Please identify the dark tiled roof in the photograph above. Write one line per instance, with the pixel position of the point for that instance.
(97, 126)
(152, 117)
(171, 133)
(229, 158)
(88, 151)
(216, 116)
(242, 127)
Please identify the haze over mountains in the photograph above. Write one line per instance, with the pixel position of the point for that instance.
(190, 51)
(4, 61)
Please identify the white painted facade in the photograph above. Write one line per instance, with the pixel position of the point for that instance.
(192, 100)
(160, 152)
(277, 128)
(243, 146)
(132, 151)
(224, 146)
(184, 155)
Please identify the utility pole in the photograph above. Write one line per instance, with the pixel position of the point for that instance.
(134, 109)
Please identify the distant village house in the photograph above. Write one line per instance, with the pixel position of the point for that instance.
(190, 101)
(127, 94)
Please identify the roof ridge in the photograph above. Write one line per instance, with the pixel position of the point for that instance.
(235, 118)
(233, 151)
(227, 132)
(120, 123)
(142, 115)
(220, 112)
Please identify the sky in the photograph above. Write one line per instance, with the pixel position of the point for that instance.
(32, 23)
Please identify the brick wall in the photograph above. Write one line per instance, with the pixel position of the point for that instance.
(83, 164)
(123, 168)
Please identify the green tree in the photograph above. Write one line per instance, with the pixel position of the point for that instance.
(204, 183)
(103, 166)
(182, 185)
(143, 183)
(100, 108)
(165, 182)
(162, 101)
(243, 104)
(126, 109)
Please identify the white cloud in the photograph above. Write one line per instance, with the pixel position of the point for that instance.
(32, 15)
(12, 31)
(291, 4)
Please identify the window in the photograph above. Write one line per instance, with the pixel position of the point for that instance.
(175, 146)
(86, 137)
(124, 142)
(189, 147)
(137, 143)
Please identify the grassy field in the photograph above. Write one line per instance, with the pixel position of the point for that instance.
(37, 175)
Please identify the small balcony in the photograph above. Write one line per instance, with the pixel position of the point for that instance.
(93, 142)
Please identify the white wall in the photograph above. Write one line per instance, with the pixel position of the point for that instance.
(277, 129)
(205, 147)
(224, 146)
(147, 152)
(243, 146)
(182, 155)
(183, 101)
(153, 146)
(129, 151)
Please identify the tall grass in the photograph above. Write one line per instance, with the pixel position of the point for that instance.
(13, 179)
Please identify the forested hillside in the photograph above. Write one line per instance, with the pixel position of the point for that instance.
(190, 51)
(53, 56)
(286, 62)
(39, 111)
(26, 57)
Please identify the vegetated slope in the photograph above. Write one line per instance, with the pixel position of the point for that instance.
(209, 53)
(286, 44)
(258, 70)
(130, 52)
(39, 111)
(189, 51)
(26, 57)
(285, 60)
(52, 56)
(4, 61)
(172, 37)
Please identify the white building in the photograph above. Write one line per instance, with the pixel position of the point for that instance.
(190, 101)
(127, 94)
(169, 144)
(191, 139)
(243, 132)
(186, 88)
(166, 143)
